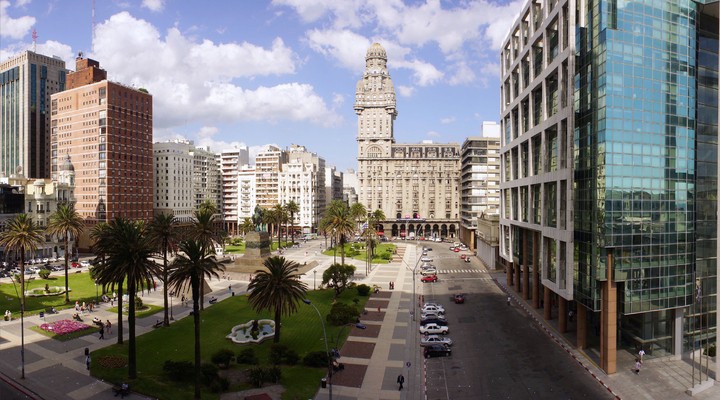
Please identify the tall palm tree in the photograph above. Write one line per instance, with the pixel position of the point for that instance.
(247, 226)
(22, 235)
(206, 232)
(280, 218)
(66, 222)
(292, 208)
(277, 288)
(127, 257)
(100, 234)
(190, 267)
(162, 233)
(268, 218)
(358, 212)
(341, 223)
(324, 227)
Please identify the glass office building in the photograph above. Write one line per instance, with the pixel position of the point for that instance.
(642, 77)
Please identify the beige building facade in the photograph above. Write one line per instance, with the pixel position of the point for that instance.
(417, 186)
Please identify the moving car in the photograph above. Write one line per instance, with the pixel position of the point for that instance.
(429, 278)
(85, 263)
(435, 339)
(459, 298)
(436, 350)
(428, 271)
(434, 329)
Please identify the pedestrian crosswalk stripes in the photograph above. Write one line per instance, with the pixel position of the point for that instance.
(461, 271)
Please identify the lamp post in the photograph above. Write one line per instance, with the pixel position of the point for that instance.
(22, 321)
(171, 314)
(413, 274)
(334, 240)
(327, 349)
(96, 293)
(314, 277)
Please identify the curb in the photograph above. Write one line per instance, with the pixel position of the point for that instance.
(554, 337)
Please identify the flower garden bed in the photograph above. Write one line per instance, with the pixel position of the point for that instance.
(64, 329)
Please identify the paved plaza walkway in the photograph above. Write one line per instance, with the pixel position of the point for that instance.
(372, 357)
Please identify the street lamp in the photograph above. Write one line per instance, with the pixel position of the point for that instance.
(314, 276)
(414, 272)
(22, 318)
(334, 240)
(171, 314)
(327, 350)
(96, 293)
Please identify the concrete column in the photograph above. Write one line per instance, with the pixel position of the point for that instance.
(517, 273)
(526, 266)
(562, 315)
(679, 315)
(509, 272)
(536, 271)
(608, 324)
(581, 326)
(547, 307)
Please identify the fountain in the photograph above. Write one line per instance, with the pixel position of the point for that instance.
(244, 333)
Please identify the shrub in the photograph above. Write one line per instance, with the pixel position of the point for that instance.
(277, 352)
(209, 373)
(178, 370)
(316, 359)
(256, 376)
(711, 351)
(222, 358)
(138, 303)
(273, 374)
(363, 289)
(291, 357)
(44, 273)
(247, 356)
(342, 313)
(219, 385)
(386, 256)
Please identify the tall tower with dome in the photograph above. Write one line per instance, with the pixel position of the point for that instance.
(415, 185)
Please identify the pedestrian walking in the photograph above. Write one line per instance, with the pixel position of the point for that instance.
(400, 381)
(102, 330)
(638, 364)
(641, 353)
(87, 361)
(571, 314)
(508, 300)
(108, 327)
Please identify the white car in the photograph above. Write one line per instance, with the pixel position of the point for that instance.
(433, 308)
(432, 315)
(438, 305)
(426, 259)
(428, 271)
(434, 329)
(435, 339)
(84, 263)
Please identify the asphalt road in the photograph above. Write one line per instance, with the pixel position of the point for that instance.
(498, 351)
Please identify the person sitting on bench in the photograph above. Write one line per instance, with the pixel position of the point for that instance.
(158, 324)
(122, 390)
(213, 300)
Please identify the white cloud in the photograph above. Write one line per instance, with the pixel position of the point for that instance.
(341, 45)
(462, 73)
(405, 91)
(424, 73)
(154, 5)
(433, 134)
(192, 80)
(447, 120)
(346, 13)
(13, 28)
(22, 3)
(49, 48)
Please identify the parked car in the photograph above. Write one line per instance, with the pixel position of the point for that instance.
(456, 249)
(436, 350)
(452, 248)
(435, 339)
(426, 259)
(459, 298)
(437, 321)
(429, 278)
(45, 260)
(56, 268)
(433, 308)
(34, 269)
(430, 303)
(434, 329)
(428, 271)
(76, 264)
(85, 263)
(427, 248)
(431, 314)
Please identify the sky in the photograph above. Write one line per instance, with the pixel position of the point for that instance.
(226, 73)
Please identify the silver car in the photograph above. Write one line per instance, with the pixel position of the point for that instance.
(435, 339)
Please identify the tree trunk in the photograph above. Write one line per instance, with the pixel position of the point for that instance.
(119, 305)
(196, 321)
(166, 320)
(277, 326)
(342, 248)
(132, 355)
(67, 285)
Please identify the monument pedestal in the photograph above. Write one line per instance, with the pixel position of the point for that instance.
(257, 249)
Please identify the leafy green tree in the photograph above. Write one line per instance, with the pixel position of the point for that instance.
(338, 277)
(292, 208)
(127, 252)
(163, 235)
(193, 263)
(277, 288)
(66, 222)
(341, 223)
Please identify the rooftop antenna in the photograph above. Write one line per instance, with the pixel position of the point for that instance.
(34, 38)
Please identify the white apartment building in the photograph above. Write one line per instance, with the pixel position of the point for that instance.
(247, 197)
(173, 187)
(302, 180)
(206, 177)
(333, 184)
(230, 162)
(351, 187)
(480, 180)
(268, 164)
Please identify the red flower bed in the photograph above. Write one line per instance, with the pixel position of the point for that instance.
(63, 327)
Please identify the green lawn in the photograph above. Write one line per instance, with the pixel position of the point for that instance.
(301, 332)
(359, 248)
(147, 310)
(82, 288)
(240, 249)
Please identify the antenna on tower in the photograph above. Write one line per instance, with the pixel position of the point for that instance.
(34, 38)
(92, 29)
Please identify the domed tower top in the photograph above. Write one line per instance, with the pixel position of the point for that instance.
(67, 165)
(376, 51)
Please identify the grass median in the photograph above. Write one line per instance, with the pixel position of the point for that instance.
(301, 332)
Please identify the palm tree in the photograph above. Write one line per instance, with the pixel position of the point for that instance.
(280, 218)
(205, 231)
(190, 267)
(247, 226)
(324, 227)
(162, 233)
(22, 235)
(66, 222)
(269, 218)
(277, 288)
(100, 234)
(341, 223)
(127, 257)
(358, 212)
(292, 208)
